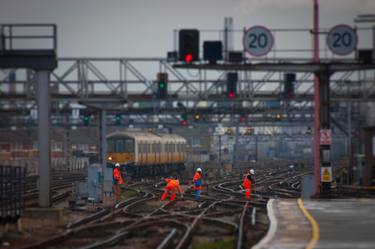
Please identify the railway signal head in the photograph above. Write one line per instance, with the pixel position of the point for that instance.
(117, 118)
(232, 79)
(212, 51)
(289, 81)
(162, 82)
(86, 118)
(184, 121)
(188, 45)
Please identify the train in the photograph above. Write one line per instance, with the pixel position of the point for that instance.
(145, 153)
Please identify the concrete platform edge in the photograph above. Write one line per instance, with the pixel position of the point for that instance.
(271, 229)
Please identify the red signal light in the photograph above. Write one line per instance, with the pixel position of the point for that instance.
(183, 122)
(188, 57)
(232, 95)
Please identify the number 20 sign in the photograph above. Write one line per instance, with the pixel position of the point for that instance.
(258, 40)
(342, 39)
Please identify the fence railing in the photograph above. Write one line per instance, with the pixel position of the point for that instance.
(12, 190)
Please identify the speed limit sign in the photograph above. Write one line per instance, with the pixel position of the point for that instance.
(258, 40)
(342, 39)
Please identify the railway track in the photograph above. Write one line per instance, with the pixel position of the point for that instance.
(222, 217)
(61, 186)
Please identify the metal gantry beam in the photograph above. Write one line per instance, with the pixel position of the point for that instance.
(132, 80)
(77, 74)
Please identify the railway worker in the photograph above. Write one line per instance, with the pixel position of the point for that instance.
(252, 179)
(197, 181)
(117, 181)
(172, 187)
(252, 175)
(248, 179)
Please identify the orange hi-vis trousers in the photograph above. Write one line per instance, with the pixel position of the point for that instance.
(248, 192)
(165, 195)
(172, 187)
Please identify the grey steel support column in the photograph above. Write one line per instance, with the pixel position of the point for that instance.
(256, 148)
(103, 142)
(350, 145)
(220, 149)
(316, 167)
(44, 138)
(349, 120)
(67, 142)
(102, 152)
(235, 147)
(2, 41)
(324, 117)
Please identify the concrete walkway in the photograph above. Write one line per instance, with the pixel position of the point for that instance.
(323, 224)
(344, 223)
(288, 226)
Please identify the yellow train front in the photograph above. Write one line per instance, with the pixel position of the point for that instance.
(146, 154)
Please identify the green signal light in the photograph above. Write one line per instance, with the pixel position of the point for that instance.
(162, 85)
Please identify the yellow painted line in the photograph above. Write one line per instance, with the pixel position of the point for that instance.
(314, 224)
(359, 187)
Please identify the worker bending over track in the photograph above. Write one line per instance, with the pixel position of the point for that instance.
(171, 188)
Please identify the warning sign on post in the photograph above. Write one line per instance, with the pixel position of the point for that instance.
(325, 137)
(326, 174)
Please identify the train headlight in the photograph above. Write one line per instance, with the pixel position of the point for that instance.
(110, 158)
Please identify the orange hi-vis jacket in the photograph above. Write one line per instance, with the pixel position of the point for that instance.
(173, 185)
(197, 181)
(117, 176)
(247, 185)
(246, 182)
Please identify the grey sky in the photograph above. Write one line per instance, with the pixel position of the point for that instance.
(143, 28)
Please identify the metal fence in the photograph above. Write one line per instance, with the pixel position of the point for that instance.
(12, 189)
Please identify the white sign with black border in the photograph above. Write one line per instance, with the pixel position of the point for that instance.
(258, 40)
(342, 39)
(325, 137)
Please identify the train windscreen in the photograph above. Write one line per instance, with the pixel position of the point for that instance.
(116, 145)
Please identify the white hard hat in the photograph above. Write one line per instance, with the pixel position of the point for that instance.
(252, 172)
(199, 169)
(117, 165)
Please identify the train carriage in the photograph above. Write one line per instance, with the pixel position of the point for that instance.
(143, 153)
